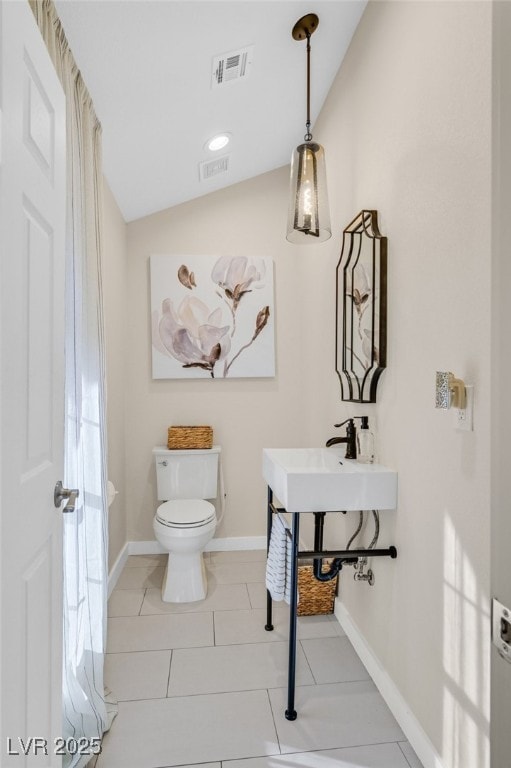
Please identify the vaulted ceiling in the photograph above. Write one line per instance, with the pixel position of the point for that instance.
(167, 75)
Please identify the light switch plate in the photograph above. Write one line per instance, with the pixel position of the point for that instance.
(464, 417)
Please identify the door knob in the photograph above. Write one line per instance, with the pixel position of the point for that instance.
(60, 494)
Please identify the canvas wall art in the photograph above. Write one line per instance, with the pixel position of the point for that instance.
(212, 317)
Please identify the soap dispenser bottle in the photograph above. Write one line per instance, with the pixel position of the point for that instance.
(365, 442)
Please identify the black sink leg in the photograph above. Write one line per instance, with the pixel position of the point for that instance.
(269, 625)
(290, 712)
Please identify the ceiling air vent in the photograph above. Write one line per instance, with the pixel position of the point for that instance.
(210, 168)
(231, 67)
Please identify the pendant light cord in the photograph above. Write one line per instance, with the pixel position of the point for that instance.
(308, 135)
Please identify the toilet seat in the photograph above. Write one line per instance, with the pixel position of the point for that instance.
(185, 513)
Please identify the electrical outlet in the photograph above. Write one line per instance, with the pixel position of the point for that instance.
(465, 416)
(501, 629)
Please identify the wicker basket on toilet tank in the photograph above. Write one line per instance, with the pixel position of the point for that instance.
(183, 438)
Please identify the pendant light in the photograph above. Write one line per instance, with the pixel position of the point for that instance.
(309, 215)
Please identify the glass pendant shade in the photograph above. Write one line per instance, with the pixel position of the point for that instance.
(309, 215)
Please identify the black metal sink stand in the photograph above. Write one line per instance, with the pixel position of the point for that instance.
(339, 555)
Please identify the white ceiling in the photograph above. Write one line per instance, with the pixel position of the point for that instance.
(148, 67)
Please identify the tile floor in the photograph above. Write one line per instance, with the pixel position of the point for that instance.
(203, 684)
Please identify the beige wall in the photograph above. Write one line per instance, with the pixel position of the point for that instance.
(501, 374)
(406, 129)
(246, 414)
(115, 273)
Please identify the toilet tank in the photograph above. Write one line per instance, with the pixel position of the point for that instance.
(189, 474)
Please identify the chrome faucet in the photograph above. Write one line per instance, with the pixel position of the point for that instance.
(350, 439)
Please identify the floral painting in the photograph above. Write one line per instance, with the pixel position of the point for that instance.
(212, 317)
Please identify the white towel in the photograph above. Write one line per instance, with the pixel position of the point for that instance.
(278, 564)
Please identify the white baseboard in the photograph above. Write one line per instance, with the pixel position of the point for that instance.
(145, 548)
(408, 723)
(215, 545)
(236, 542)
(154, 548)
(117, 567)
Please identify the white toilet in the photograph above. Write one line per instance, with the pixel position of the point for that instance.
(186, 521)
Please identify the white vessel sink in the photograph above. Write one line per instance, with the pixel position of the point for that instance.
(322, 480)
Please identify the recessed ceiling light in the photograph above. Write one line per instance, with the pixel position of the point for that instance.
(218, 142)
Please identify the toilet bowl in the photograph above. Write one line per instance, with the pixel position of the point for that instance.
(186, 521)
(184, 527)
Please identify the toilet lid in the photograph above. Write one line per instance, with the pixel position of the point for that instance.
(186, 512)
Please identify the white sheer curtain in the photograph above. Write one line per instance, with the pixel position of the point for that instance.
(87, 713)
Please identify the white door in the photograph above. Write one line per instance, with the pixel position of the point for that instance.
(32, 234)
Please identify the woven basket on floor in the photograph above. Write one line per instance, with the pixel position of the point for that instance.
(183, 438)
(316, 597)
